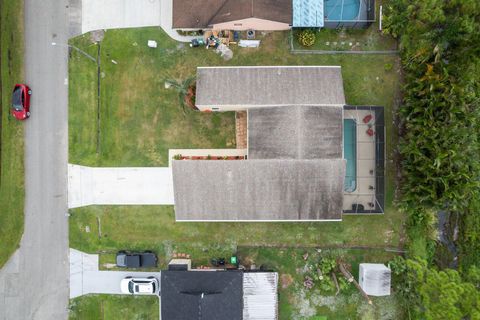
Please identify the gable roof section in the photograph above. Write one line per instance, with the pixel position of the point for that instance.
(205, 13)
(295, 132)
(202, 295)
(269, 86)
(261, 190)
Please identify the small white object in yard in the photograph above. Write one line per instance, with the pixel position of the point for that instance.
(249, 43)
(343, 43)
(350, 44)
(327, 43)
(87, 229)
(167, 85)
(135, 44)
(377, 78)
(335, 43)
(114, 62)
(358, 43)
(152, 43)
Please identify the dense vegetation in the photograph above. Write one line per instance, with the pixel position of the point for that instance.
(434, 294)
(439, 150)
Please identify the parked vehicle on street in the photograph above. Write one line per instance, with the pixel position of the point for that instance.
(146, 259)
(131, 285)
(21, 101)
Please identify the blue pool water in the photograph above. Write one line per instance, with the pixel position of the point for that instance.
(350, 153)
(341, 10)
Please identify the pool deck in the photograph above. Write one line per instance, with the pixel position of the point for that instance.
(365, 162)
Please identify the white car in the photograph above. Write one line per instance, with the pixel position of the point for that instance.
(131, 285)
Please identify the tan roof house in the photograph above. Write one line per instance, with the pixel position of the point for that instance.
(268, 15)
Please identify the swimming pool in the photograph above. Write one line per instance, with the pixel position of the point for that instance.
(350, 153)
(341, 10)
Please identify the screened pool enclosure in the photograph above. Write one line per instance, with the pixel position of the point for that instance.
(364, 150)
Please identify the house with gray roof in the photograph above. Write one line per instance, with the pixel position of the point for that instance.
(295, 166)
(218, 295)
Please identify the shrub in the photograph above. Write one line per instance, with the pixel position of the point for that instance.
(388, 66)
(306, 38)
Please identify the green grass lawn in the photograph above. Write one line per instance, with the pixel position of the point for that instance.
(11, 130)
(103, 307)
(141, 120)
(298, 302)
(369, 39)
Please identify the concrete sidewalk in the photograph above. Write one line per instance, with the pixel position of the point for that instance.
(85, 277)
(119, 186)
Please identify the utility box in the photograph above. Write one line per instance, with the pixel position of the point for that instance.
(375, 279)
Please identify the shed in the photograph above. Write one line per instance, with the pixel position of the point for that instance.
(375, 279)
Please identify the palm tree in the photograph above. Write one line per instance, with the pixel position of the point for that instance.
(182, 87)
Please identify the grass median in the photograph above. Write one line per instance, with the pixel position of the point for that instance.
(12, 192)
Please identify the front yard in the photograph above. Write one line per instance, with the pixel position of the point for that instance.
(140, 120)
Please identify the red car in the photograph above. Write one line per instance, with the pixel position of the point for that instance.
(21, 101)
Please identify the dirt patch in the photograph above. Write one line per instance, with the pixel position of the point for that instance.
(189, 98)
(286, 280)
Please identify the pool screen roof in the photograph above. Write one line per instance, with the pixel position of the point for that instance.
(308, 13)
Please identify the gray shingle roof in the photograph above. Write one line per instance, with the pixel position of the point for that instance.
(269, 86)
(258, 189)
(295, 132)
(201, 295)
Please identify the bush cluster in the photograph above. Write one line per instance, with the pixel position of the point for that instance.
(307, 38)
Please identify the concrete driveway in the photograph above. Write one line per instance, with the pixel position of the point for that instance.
(90, 15)
(114, 14)
(119, 186)
(85, 277)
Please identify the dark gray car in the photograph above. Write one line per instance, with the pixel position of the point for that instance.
(145, 259)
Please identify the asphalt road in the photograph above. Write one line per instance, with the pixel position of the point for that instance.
(35, 282)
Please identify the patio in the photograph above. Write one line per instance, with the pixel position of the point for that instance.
(367, 194)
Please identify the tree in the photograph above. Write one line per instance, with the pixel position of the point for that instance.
(183, 88)
(431, 294)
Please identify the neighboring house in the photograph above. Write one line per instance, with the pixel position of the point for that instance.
(309, 157)
(218, 295)
(232, 14)
(271, 15)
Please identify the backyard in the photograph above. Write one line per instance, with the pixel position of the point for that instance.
(140, 120)
(11, 130)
